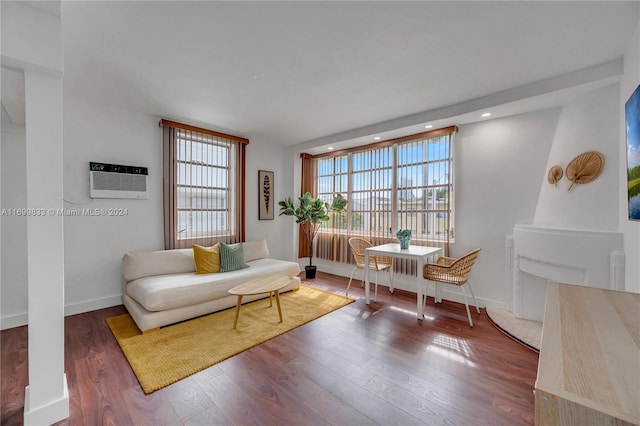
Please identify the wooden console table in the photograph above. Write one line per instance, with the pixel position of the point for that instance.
(589, 367)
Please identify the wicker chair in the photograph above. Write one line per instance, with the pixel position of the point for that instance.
(453, 271)
(376, 263)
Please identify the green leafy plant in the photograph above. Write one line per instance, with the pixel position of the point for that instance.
(311, 212)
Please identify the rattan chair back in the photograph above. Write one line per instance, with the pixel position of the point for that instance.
(451, 271)
(376, 263)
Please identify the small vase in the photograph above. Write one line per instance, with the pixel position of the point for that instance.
(404, 242)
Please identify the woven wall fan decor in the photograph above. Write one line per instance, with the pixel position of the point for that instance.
(555, 174)
(585, 168)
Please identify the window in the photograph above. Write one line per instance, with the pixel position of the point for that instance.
(203, 186)
(399, 184)
(424, 185)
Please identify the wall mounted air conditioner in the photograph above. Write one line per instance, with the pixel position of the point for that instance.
(117, 181)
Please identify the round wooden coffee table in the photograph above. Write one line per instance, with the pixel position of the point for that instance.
(270, 284)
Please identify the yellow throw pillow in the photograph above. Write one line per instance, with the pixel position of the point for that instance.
(207, 259)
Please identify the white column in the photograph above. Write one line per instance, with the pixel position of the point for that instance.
(32, 42)
(47, 398)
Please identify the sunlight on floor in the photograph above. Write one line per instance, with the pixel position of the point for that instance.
(452, 348)
(410, 312)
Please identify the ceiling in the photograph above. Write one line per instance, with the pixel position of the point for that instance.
(294, 72)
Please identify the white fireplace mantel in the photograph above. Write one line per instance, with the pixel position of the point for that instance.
(582, 257)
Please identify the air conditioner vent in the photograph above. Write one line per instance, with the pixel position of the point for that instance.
(118, 181)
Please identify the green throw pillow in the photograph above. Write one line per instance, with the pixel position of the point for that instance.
(231, 258)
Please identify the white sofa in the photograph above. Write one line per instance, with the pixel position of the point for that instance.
(161, 287)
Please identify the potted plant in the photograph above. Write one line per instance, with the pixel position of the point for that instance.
(311, 212)
(404, 236)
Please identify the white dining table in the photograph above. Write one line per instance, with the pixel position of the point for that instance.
(419, 253)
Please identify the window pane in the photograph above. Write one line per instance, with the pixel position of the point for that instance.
(202, 198)
(202, 152)
(325, 185)
(192, 224)
(342, 184)
(325, 167)
(439, 149)
(374, 159)
(197, 175)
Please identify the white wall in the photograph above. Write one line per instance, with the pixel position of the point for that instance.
(264, 155)
(499, 166)
(631, 229)
(588, 123)
(14, 230)
(94, 245)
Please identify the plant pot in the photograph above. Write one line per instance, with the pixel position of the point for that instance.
(404, 242)
(310, 272)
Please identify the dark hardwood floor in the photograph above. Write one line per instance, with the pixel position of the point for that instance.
(362, 364)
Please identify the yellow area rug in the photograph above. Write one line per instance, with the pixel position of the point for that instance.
(174, 352)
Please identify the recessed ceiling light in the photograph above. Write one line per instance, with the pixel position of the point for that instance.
(330, 148)
(377, 138)
(486, 114)
(428, 126)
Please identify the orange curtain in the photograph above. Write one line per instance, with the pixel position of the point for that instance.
(308, 185)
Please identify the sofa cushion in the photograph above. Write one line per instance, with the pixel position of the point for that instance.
(162, 292)
(254, 250)
(207, 259)
(145, 263)
(231, 257)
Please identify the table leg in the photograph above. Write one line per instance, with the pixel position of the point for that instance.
(235, 322)
(270, 299)
(277, 293)
(420, 293)
(437, 298)
(366, 278)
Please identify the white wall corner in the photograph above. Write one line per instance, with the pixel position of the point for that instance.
(32, 37)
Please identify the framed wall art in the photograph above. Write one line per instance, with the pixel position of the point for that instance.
(632, 116)
(265, 195)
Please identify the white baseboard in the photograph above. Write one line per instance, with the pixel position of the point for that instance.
(92, 305)
(15, 320)
(18, 320)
